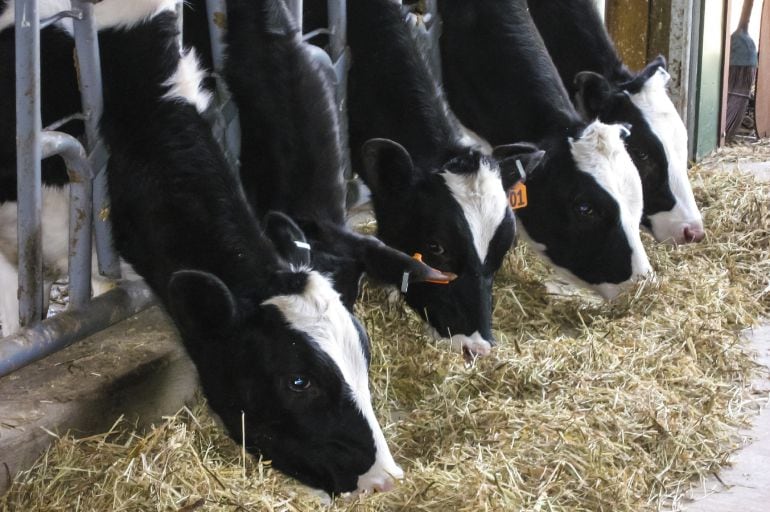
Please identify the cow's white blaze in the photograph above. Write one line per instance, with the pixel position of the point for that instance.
(600, 153)
(319, 314)
(664, 121)
(482, 199)
(185, 83)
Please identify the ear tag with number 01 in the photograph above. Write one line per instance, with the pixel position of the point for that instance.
(517, 197)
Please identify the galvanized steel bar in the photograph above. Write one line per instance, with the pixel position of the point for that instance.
(434, 33)
(79, 169)
(63, 329)
(90, 79)
(216, 12)
(28, 153)
(295, 6)
(180, 21)
(338, 26)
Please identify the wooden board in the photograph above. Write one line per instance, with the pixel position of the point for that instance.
(628, 22)
(763, 75)
(659, 33)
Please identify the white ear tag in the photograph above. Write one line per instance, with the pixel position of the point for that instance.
(520, 168)
(302, 245)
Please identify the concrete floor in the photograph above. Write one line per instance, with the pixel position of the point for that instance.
(744, 487)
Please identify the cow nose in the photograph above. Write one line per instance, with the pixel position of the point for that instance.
(380, 483)
(385, 485)
(693, 234)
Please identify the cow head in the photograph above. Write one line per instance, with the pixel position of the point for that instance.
(457, 218)
(284, 364)
(585, 204)
(657, 145)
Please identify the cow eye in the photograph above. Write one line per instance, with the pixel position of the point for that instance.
(298, 383)
(435, 248)
(584, 209)
(643, 155)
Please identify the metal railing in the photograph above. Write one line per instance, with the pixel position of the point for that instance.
(89, 203)
(86, 166)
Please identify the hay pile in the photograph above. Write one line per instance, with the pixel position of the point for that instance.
(583, 406)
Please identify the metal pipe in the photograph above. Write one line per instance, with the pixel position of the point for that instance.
(338, 25)
(79, 170)
(217, 15)
(28, 155)
(180, 22)
(295, 6)
(434, 34)
(58, 332)
(90, 79)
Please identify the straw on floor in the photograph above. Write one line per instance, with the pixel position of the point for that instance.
(583, 405)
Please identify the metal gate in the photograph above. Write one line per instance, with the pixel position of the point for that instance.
(86, 162)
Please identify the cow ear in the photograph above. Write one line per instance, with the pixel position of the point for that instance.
(655, 67)
(389, 265)
(593, 93)
(515, 159)
(200, 302)
(387, 167)
(287, 238)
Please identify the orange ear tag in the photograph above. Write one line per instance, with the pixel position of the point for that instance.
(417, 256)
(517, 197)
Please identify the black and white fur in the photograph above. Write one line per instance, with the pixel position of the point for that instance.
(291, 158)
(605, 89)
(585, 196)
(275, 348)
(433, 190)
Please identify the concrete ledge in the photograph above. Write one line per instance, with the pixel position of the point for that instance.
(135, 368)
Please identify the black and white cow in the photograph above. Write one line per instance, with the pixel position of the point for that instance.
(276, 350)
(585, 196)
(291, 156)
(605, 89)
(434, 192)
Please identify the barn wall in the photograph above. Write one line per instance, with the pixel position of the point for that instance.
(690, 34)
(708, 89)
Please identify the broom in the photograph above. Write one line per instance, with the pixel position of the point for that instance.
(743, 69)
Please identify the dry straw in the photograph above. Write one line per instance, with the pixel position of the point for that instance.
(583, 405)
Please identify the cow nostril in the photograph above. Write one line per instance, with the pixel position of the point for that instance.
(693, 234)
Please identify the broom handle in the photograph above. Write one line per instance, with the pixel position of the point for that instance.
(743, 24)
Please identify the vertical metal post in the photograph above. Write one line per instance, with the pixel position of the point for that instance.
(338, 26)
(90, 79)
(28, 153)
(216, 14)
(57, 143)
(295, 6)
(434, 33)
(180, 22)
